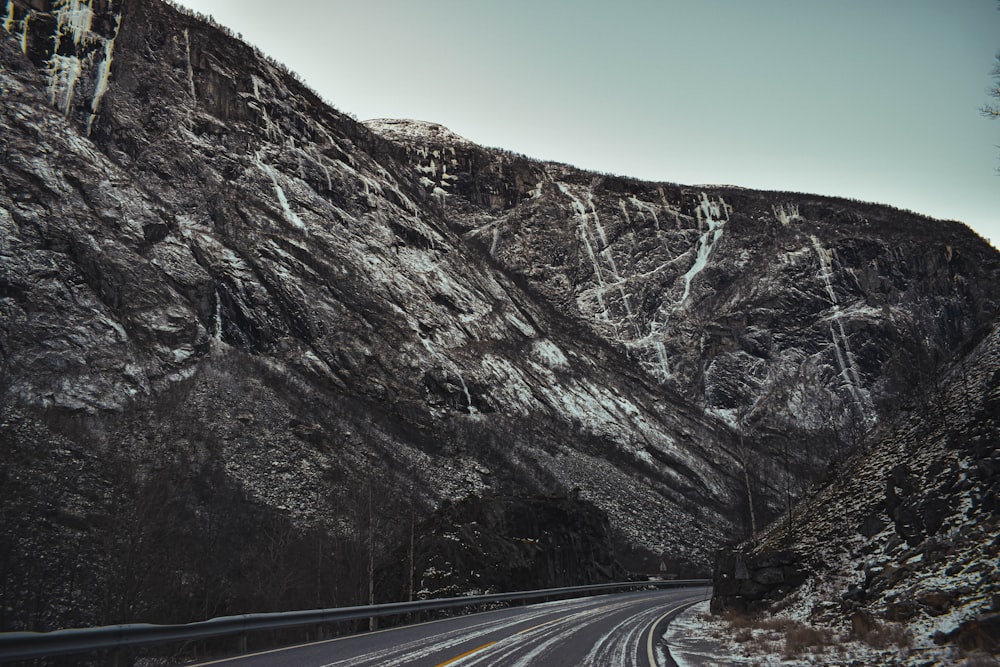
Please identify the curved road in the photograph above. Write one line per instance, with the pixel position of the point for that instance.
(620, 630)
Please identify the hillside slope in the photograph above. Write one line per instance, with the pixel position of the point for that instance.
(909, 532)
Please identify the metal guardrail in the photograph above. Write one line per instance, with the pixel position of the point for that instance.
(27, 645)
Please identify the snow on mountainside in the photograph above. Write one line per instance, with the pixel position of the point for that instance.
(415, 130)
(794, 318)
(231, 313)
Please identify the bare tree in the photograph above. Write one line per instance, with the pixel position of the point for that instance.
(992, 109)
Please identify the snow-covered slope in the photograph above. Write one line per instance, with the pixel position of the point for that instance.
(909, 531)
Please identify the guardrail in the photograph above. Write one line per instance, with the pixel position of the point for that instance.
(27, 645)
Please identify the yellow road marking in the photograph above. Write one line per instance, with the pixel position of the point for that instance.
(649, 636)
(535, 627)
(466, 654)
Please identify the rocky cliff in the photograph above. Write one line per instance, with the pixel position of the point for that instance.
(229, 312)
(786, 315)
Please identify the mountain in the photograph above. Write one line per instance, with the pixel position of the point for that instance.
(244, 334)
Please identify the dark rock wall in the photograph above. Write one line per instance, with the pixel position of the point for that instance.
(798, 319)
(497, 544)
(745, 582)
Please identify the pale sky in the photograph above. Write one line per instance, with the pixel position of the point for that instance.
(874, 100)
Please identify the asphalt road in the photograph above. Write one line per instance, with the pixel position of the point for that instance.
(620, 630)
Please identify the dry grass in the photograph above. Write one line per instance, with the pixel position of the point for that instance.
(764, 632)
(800, 638)
(738, 620)
(888, 635)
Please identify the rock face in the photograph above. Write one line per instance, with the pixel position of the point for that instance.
(789, 316)
(752, 582)
(228, 311)
(909, 532)
(496, 544)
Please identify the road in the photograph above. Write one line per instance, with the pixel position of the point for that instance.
(620, 630)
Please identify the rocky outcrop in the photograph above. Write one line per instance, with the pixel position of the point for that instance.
(908, 532)
(751, 582)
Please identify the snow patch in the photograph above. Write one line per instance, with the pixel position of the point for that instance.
(526, 329)
(550, 354)
(103, 74)
(8, 22)
(415, 130)
(786, 215)
(73, 17)
(290, 216)
(64, 72)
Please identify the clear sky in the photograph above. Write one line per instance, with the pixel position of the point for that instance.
(872, 99)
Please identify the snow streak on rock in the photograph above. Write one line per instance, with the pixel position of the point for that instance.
(585, 238)
(8, 21)
(64, 72)
(588, 217)
(270, 130)
(73, 17)
(10, 24)
(190, 69)
(712, 214)
(103, 75)
(290, 216)
(841, 345)
(217, 334)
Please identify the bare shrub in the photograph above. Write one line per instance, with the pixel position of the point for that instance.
(888, 635)
(801, 638)
(739, 620)
(777, 624)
